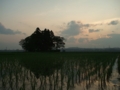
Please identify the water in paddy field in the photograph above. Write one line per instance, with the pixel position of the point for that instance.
(114, 83)
(66, 75)
(115, 78)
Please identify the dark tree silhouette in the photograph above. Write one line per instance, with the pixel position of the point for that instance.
(58, 42)
(42, 41)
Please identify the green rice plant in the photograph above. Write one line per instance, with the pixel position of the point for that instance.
(59, 68)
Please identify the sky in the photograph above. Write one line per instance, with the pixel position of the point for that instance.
(83, 23)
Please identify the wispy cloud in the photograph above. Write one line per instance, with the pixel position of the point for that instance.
(93, 30)
(114, 22)
(6, 31)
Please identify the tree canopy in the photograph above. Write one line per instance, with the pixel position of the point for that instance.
(42, 40)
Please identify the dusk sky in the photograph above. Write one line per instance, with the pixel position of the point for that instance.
(84, 23)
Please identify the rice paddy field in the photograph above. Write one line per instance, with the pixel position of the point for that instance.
(60, 71)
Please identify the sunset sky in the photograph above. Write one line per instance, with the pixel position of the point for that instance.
(84, 23)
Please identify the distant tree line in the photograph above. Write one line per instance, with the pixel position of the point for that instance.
(42, 40)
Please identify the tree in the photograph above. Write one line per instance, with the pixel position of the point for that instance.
(58, 42)
(42, 41)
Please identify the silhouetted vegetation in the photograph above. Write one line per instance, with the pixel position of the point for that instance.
(42, 41)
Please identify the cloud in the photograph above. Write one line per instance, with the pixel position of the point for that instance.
(82, 39)
(92, 30)
(6, 31)
(89, 25)
(113, 41)
(75, 28)
(72, 28)
(114, 22)
(114, 35)
(79, 33)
